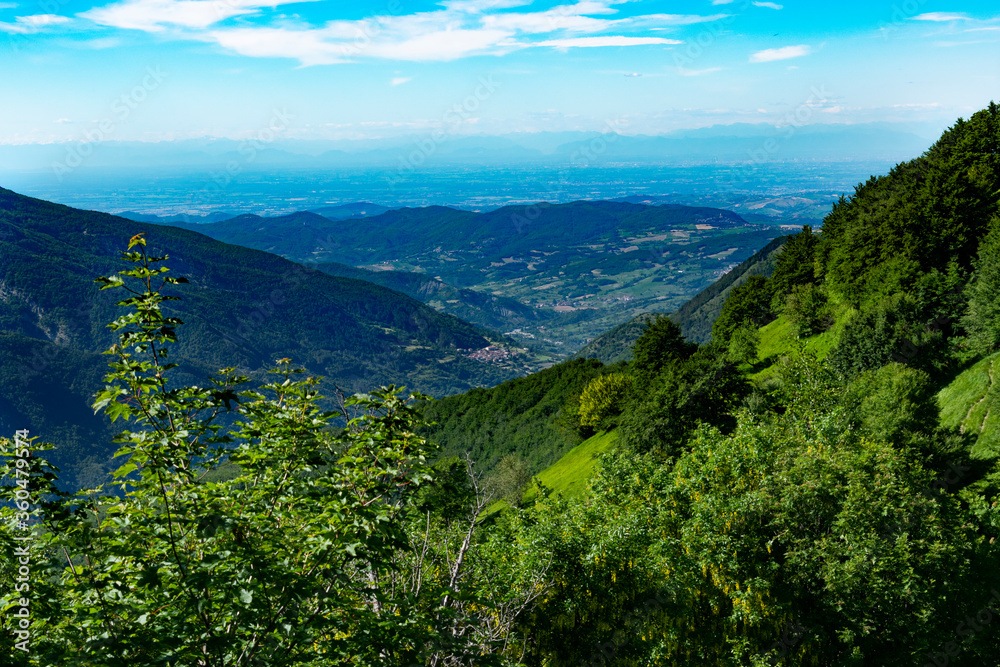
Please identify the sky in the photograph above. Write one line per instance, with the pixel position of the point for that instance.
(162, 70)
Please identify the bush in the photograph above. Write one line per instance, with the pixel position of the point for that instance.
(806, 308)
(602, 400)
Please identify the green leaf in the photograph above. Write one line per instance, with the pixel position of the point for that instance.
(125, 470)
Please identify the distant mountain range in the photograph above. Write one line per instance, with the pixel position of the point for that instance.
(721, 143)
(343, 212)
(242, 307)
(491, 236)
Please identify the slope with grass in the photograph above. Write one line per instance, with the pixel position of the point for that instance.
(777, 338)
(570, 474)
(971, 403)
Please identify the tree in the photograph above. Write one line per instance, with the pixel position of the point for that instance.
(510, 478)
(894, 330)
(982, 321)
(286, 563)
(795, 263)
(893, 403)
(748, 302)
(805, 308)
(706, 388)
(603, 399)
(743, 344)
(660, 344)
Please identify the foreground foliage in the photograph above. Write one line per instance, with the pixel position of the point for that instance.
(309, 555)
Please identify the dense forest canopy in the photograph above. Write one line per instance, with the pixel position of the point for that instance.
(926, 215)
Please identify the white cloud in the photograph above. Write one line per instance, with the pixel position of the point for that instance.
(306, 46)
(31, 24)
(400, 80)
(784, 53)
(543, 22)
(461, 29)
(610, 40)
(940, 17)
(769, 5)
(157, 15)
(40, 20)
(667, 20)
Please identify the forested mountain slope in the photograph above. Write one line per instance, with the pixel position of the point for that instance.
(582, 267)
(844, 507)
(242, 308)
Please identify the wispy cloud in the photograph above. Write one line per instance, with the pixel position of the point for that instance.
(461, 28)
(768, 5)
(400, 80)
(30, 24)
(784, 53)
(941, 17)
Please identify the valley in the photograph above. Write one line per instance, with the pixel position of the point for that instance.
(579, 268)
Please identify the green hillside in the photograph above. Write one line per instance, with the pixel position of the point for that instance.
(508, 231)
(695, 318)
(570, 474)
(525, 416)
(971, 404)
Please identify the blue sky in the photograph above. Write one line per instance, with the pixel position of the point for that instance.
(159, 70)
